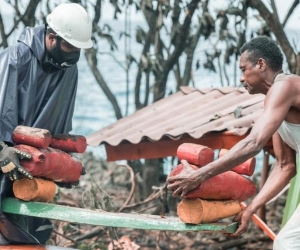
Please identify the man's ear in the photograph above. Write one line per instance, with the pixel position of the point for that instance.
(261, 63)
(52, 40)
(51, 36)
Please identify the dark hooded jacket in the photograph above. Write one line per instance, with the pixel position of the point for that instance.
(30, 96)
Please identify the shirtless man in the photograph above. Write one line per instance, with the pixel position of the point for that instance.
(261, 65)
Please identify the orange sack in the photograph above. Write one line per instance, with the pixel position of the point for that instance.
(225, 186)
(36, 137)
(69, 143)
(196, 211)
(195, 154)
(52, 164)
(246, 168)
(36, 189)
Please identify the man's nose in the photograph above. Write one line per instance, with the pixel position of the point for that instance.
(242, 79)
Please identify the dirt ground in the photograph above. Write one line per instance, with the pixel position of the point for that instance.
(109, 187)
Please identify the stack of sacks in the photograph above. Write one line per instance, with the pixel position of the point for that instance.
(47, 164)
(218, 197)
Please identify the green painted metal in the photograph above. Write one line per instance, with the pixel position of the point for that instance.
(34, 247)
(58, 248)
(293, 198)
(109, 219)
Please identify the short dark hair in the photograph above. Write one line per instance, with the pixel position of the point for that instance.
(266, 48)
(49, 30)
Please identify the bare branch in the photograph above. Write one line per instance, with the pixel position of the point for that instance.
(2, 33)
(290, 12)
(133, 184)
(92, 62)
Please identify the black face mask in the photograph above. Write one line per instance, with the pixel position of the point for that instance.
(59, 59)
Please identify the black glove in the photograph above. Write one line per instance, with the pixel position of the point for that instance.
(9, 162)
(67, 185)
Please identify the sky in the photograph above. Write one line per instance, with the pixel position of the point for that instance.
(282, 7)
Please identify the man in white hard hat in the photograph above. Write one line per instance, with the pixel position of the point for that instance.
(38, 83)
(66, 35)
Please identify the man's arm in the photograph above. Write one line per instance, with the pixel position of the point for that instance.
(283, 172)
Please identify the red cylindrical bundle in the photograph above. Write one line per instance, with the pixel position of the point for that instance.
(69, 143)
(196, 211)
(36, 137)
(52, 164)
(195, 154)
(178, 169)
(246, 168)
(225, 186)
(37, 189)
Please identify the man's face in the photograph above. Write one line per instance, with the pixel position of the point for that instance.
(251, 75)
(62, 53)
(64, 45)
(67, 47)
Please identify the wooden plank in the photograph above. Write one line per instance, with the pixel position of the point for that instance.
(109, 219)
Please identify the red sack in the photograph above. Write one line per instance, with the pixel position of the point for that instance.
(36, 137)
(195, 154)
(52, 164)
(246, 168)
(225, 186)
(69, 143)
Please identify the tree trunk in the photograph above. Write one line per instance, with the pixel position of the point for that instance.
(92, 62)
(274, 24)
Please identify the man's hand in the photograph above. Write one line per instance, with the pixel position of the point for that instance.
(10, 164)
(185, 181)
(243, 218)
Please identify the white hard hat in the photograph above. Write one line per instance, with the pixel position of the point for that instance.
(71, 22)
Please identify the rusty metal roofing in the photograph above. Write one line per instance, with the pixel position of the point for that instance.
(190, 111)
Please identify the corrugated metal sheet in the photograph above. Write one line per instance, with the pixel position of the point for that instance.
(190, 111)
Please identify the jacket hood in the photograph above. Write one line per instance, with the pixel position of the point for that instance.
(34, 38)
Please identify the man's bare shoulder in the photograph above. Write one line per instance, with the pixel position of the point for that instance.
(286, 92)
(292, 78)
(287, 82)
(285, 87)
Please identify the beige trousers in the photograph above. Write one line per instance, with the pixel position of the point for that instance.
(289, 236)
